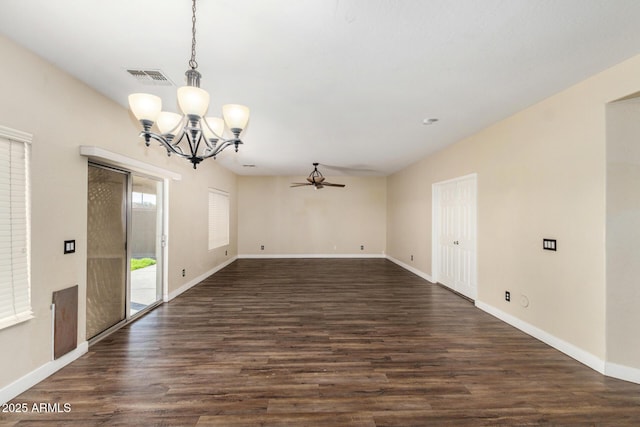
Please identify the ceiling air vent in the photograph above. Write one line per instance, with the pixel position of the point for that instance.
(150, 77)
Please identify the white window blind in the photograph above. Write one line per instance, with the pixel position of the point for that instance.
(218, 218)
(15, 298)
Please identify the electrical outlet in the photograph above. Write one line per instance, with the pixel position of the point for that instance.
(262, 247)
(184, 272)
(507, 296)
(411, 257)
(362, 247)
(225, 253)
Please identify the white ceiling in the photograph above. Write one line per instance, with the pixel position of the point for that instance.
(346, 83)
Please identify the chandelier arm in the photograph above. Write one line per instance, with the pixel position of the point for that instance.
(175, 143)
(219, 148)
(166, 144)
(209, 144)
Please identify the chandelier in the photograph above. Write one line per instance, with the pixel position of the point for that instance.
(191, 135)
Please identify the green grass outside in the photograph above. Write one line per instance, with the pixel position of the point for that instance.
(137, 263)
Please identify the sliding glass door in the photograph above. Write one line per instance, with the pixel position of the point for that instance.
(124, 247)
(106, 248)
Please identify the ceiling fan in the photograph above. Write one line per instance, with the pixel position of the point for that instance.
(316, 179)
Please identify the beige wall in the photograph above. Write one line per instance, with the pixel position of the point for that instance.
(305, 221)
(541, 173)
(623, 232)
(188, 223)
(62, 114)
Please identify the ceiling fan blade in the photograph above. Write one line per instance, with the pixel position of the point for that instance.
(333, 185)
(299, 184)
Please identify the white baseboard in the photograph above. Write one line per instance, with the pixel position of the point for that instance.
(284, 256)
(622, 372)
(414, 270)
(191, 283)
(34, 377)
(569, 349)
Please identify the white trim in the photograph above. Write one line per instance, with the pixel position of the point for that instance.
(435, 231)
(414, 270)
(115, 159)
(191, 283)
(53, 331)
(165, 233)
(218, 218)
(569, 349)
(34, 377)
(15, 135)
(622, 372)
(268, 256)
(459, 178)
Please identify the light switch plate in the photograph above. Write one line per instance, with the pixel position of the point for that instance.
(69, 246)
(549, 245)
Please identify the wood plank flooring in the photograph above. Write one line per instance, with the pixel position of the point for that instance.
(319, 342)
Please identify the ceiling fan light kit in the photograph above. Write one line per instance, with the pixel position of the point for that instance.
(316, 179)
(191, 135)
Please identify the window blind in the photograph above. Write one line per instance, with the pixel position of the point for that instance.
(15, 298)
(218, 219)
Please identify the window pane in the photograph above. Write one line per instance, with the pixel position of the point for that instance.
(15, 305)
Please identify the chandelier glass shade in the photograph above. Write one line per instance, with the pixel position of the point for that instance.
(192, 135)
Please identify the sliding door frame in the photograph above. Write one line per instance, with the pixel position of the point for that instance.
(164, 294)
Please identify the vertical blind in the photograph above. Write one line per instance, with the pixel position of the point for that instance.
(15, 301)
(218, 219)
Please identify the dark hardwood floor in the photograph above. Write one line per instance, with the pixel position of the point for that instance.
(325, 343)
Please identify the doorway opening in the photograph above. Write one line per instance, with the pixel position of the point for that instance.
(146, 242)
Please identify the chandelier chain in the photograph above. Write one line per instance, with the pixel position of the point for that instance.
(192, 62)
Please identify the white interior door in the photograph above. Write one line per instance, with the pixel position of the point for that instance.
(448, 232)
(466, 237)
(454, 232)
